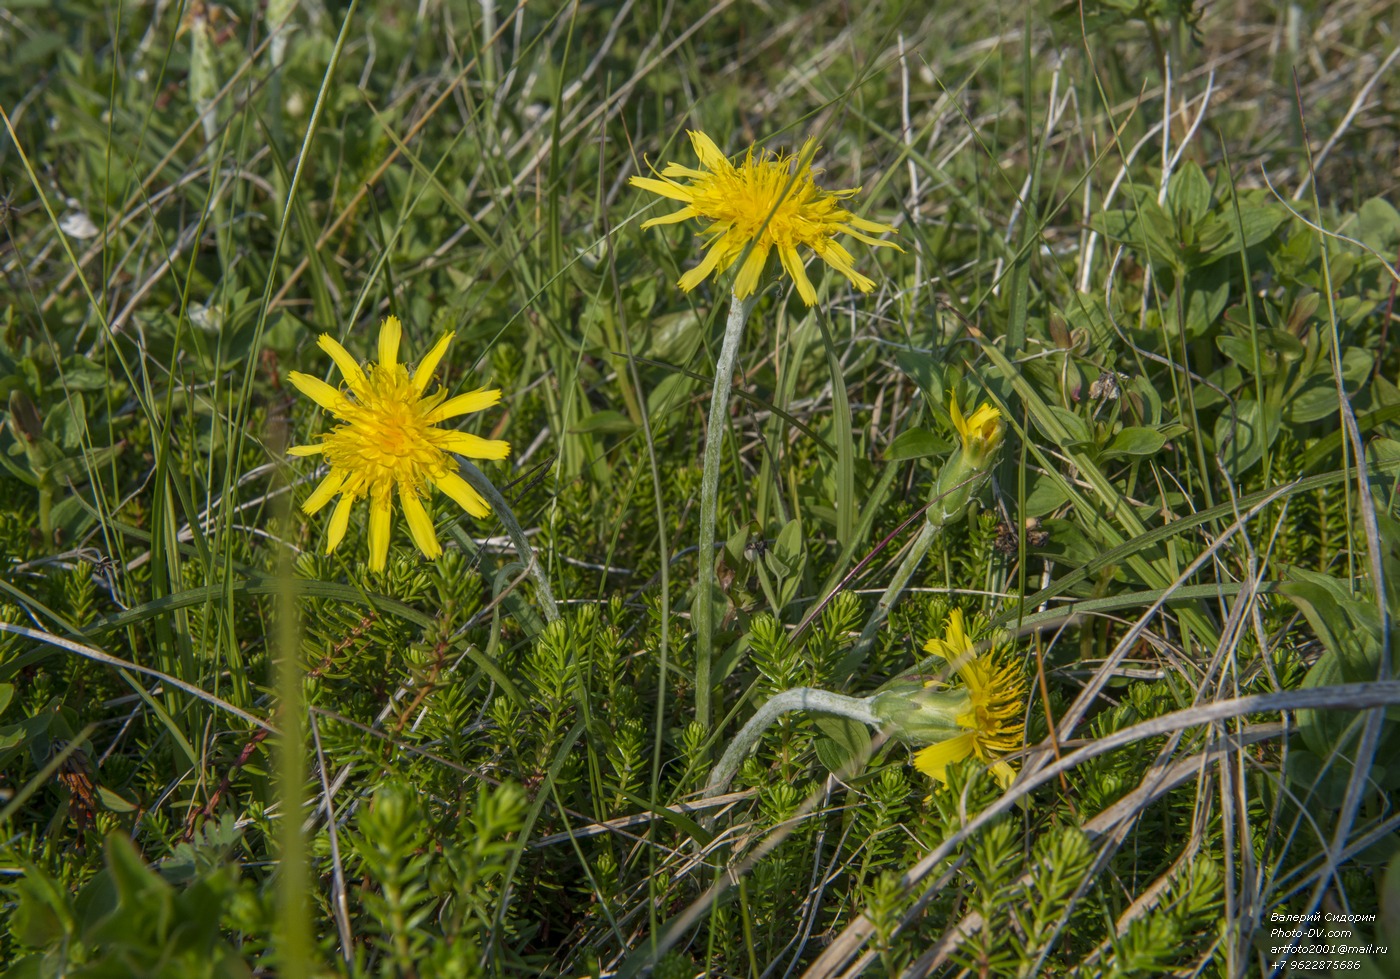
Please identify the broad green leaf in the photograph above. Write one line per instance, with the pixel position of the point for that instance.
(1043, 495)
(9, 737)
(669, 393)
(674, 337)
(42, 912)
(924, 372)
(1163, 241)
(916, 443)
(1136, 441)
(1088, 312)
(788, 545)
(81, 374)
(1288, 347)
(1188, 193)
(1242, 436)
(1315, 402)
(1357, 364)
(113, 802)
(845, 740)
(1205, 302)
(1147, 230)
(1220, 233)
(1381, 451)
(1072, 425)
(1380, 229)
(1242, 352)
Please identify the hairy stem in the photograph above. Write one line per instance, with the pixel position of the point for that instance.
(902, 574)
(799, 698)
(702, 614)
(947, 504)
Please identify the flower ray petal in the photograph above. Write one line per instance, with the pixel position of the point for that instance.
(323, 493)
(874, 242)
(701, 272)
(746, 283)
(664, 187)
(675, 217)
(350, 368)
(471, 446)
(935, 759)
(863, 224)
(793, 263)
(390, 333)
(464, 404)
(320, 392)
(423, 373)
(381, 513)
(340, 520)
(461, 493)
(710, 156)
(420, 525)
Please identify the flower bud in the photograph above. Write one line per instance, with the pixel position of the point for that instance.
(963, 473)
(914, 710)
(981, 433)
(979, 719)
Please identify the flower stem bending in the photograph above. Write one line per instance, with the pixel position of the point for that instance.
(799, 698)
(959, 479)
(702, 612)
(493, 496)
(946, 505)
(902, 574)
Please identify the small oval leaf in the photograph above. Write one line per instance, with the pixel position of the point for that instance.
(1136, 441)
(916, 443)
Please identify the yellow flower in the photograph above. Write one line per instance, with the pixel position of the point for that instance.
(981, 433)
(388, 441)
(990, 717)
(771, 201)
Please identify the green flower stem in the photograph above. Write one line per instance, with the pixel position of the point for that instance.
(799, 698)
(502, 509)
(701, 611)
(947, 503)
(292, 930)
(902, 574)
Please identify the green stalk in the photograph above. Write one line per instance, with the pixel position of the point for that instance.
(292, 930)
(798, 698)
(701, 613)
(902, 574)
(947, 504)
(502, 509)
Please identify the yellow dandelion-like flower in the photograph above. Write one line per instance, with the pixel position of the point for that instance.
(981, 432)
(995, 702)
(388, 441)
(770, 200)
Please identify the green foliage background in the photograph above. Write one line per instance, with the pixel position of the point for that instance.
(1163, 237)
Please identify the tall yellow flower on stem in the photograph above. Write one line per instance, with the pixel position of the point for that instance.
(771, 202)
(388, 441)
(986, 718)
